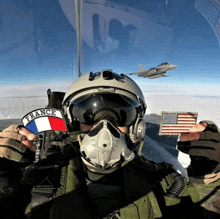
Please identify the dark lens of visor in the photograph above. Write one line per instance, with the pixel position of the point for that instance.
(89, 109)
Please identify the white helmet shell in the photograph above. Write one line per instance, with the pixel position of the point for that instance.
(105, 81)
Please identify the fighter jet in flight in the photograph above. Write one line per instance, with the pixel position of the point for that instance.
(156, 72)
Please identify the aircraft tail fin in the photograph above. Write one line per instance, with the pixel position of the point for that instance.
(142, 68)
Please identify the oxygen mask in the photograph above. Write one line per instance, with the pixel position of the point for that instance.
(104, 148)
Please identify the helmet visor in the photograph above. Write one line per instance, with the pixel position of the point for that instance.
(89, 109)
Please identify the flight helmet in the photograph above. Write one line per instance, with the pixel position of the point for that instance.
(104, 94)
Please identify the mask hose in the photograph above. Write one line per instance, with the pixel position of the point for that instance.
(177, 187)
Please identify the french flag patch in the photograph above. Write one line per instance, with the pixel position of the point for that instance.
(42, 120)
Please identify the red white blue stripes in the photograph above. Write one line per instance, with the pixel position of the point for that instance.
(175, 123)
(41, 120)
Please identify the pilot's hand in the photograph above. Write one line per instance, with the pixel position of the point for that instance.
(203, 146)
(194, 132)
(16, 144)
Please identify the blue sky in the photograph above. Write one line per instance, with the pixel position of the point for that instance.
(38, 41)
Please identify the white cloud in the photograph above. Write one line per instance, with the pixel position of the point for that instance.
(17, 100)
(31, 90)
(176, 89)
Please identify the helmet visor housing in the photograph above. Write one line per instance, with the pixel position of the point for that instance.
(91, 108)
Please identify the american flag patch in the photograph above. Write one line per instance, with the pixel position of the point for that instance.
(175, 123)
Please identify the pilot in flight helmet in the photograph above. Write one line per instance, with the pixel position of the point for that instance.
(106, 100)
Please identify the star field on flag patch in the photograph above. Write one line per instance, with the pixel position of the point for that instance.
(175, 123)
(41, 120)
(170, 118)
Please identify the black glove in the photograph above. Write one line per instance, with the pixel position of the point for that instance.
(204, 153)
(36, 172)
(58, 154)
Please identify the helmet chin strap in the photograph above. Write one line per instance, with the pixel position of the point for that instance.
(104, 148)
